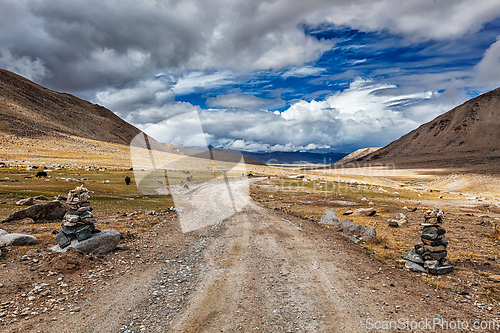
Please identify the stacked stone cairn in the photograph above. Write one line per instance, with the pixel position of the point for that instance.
(436, 214)
(78, 223)
(430, 256)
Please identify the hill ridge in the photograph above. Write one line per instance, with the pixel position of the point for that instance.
(30, 110)
(465, 135)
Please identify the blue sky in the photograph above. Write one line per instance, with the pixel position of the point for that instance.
(263, 75)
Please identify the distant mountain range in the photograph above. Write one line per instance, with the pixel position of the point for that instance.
(225, 155)
(467, 136)
(295, 157)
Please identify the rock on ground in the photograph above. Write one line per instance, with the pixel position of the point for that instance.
(440, 270)
(413, 256)
(414, 267)
(365, 211)
(25, 202)
(57, 248)
(330, 218)
(361, 232)
(102, 242)
(2, 232)
(16, 240)
(53, 210)
(494, 278)
(400, 216)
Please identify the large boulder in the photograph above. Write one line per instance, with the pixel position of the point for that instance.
(47, 211)
(100, 243)
(16, 240)
(358, 231)
(329, 218)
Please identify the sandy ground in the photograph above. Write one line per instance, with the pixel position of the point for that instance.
(257, 270)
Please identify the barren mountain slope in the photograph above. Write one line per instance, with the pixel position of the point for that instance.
(467, 135)
(32, 111)
(358, 154)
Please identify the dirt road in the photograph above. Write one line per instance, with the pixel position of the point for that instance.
(260, 271)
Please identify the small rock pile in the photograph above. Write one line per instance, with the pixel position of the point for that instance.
(80, 211)
(400, 219)
(78, 222)
(78, 230)
(430, 256)
(436, 213)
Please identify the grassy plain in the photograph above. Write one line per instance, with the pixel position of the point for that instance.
(470, 201)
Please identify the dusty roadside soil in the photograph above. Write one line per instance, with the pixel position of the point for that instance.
(258, 270)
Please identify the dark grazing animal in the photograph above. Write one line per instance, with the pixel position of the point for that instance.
(41, 174)
(127, 180)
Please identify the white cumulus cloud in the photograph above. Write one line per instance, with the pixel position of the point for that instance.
(488, 69)
(364, 114)
(244, 101)
(32, 69)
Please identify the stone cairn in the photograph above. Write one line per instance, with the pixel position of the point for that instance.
(436, 214)
(78, 222)
(80, 210)
(430, 256)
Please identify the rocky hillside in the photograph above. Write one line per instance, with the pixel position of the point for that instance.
(356, 155)
(468, 135)
(32, 111)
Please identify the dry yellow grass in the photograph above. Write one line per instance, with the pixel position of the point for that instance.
(435, 283)
(470, 244)
(308, 197)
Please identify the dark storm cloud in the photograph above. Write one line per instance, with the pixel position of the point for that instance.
(89, 45)
(93, 44)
